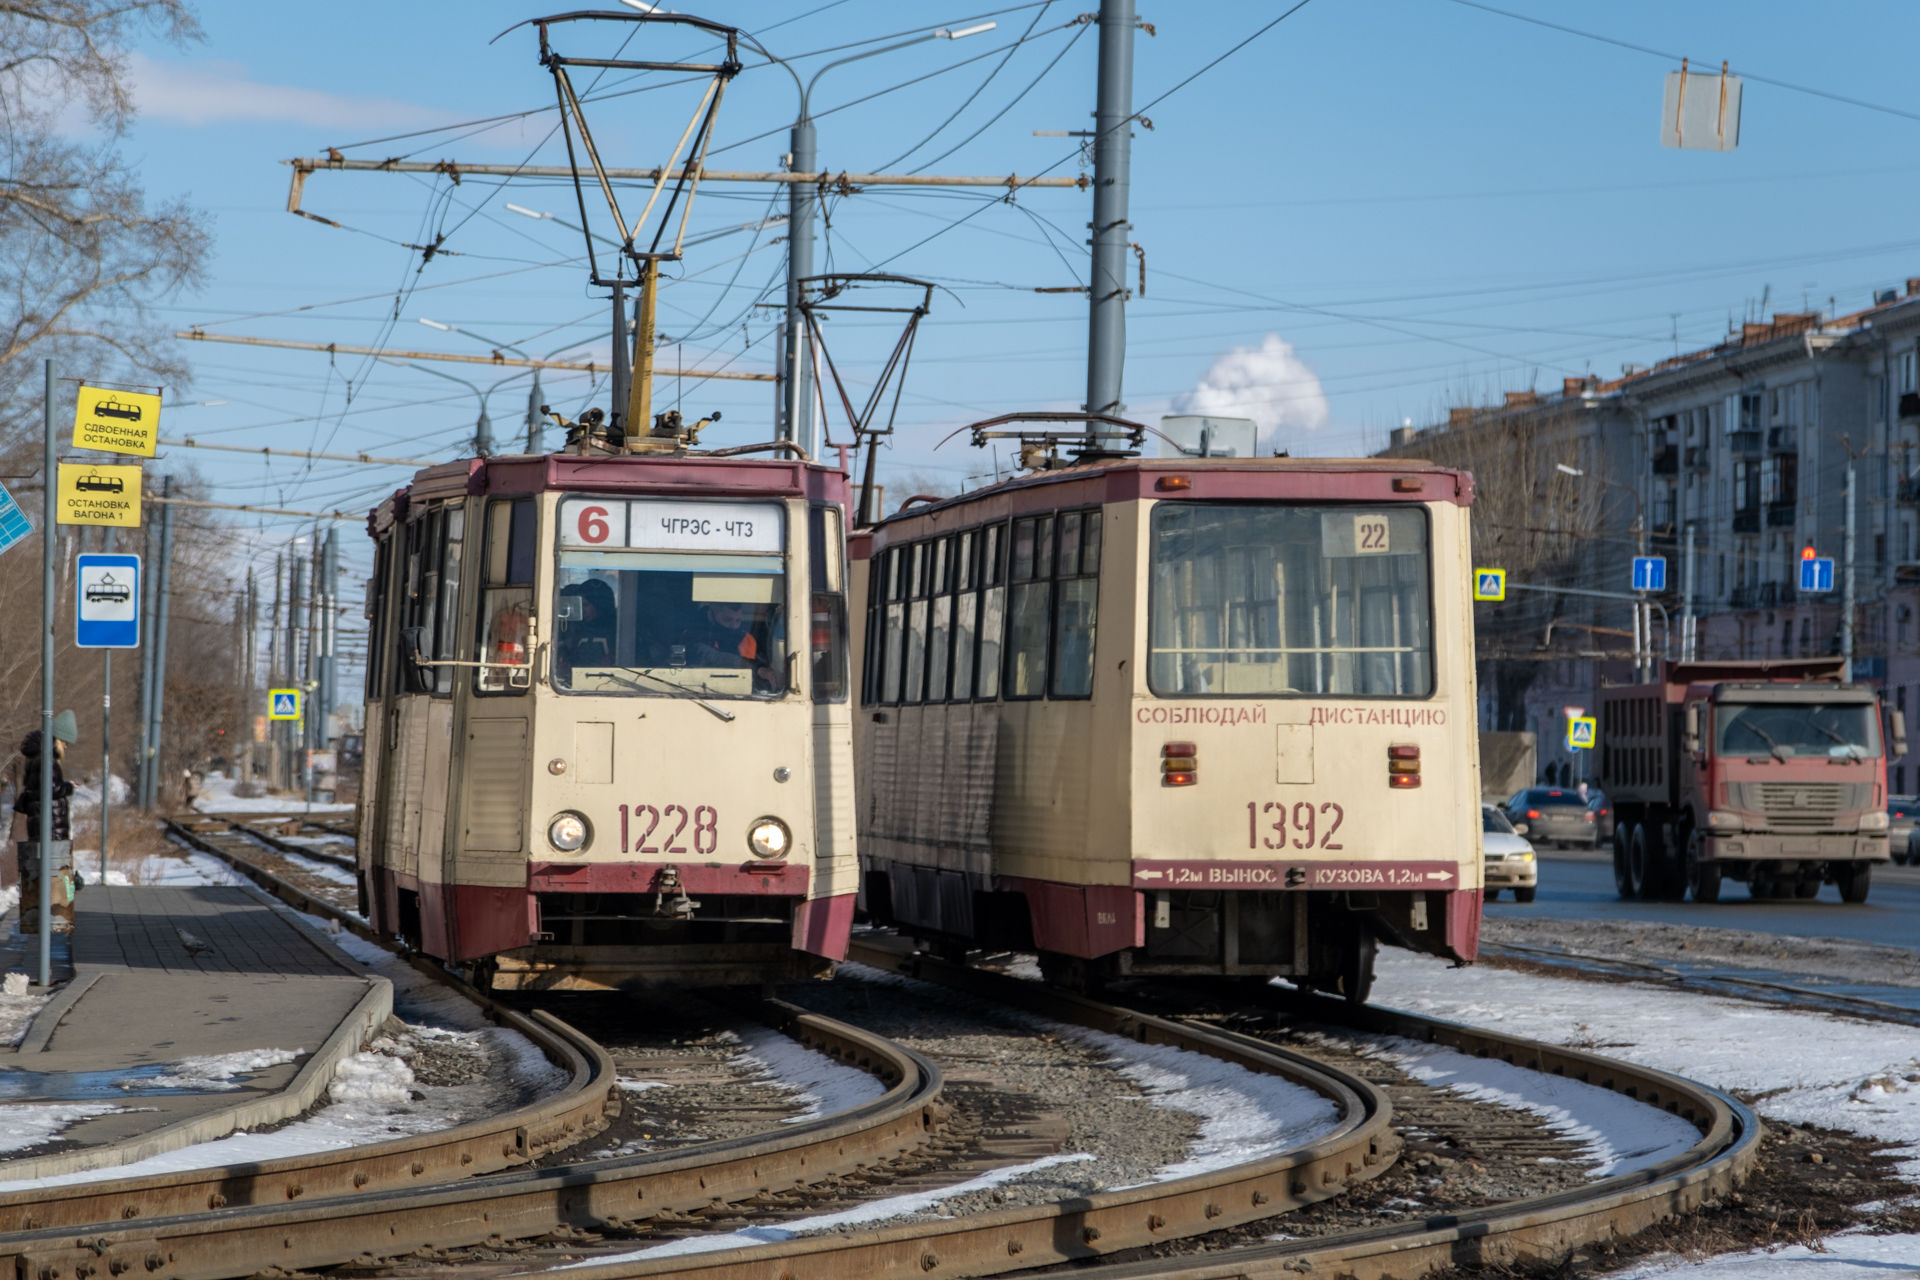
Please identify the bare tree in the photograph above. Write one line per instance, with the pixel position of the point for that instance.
(82, 257)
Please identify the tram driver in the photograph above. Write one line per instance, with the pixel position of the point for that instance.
(726, 634)
(587, 636)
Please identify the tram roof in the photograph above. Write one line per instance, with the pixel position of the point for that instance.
(683, 476)
(1227, 479)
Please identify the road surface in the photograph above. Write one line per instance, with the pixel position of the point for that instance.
(1580, 887)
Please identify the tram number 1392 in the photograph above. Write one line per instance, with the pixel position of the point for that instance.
(1278, 825)
(670, 823)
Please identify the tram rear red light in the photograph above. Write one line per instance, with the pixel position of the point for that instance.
(1183, 779)
(1403, 781)
(1408, 484)
(1180, 764)
(1165, 483)
(1403, 751)
(1180, 749)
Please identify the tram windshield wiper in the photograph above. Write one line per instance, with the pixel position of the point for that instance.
(692, 694)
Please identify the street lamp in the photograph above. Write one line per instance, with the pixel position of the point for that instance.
(483, 426)
(535, 422)
(801, 159)
(1642, 616)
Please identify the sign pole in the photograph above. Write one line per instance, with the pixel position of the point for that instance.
(106, 738)
(44, 844)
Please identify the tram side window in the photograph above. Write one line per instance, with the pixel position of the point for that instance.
(1032, 594)
(432, 606)
(506, 595)
(895, 581)
(826, 556)
(966, 612)
(379, 593)
(993, 610)
(1076, 605)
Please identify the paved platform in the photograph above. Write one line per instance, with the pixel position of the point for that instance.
(163, 976)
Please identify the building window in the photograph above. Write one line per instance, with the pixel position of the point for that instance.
(1880, 549)
(1906, 371)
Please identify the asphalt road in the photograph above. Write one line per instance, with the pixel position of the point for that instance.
(1580, 887)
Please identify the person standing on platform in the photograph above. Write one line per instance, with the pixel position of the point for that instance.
(58, 829)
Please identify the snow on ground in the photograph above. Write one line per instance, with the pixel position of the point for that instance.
(29, 1126)
(1618, 1133)
(216, 796)
(872, 1211)
(371, 1077)
(820, 1084)
(214, 1073)
(319, 867)
(1850, 1255)
(1807, 1068)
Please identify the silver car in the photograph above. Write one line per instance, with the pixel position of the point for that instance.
(1553, 815)
(1509, 858)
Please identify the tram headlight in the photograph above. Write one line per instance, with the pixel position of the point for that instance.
(769, 839)
(569, 832)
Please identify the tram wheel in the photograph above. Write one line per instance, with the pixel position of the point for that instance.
(1356, 968)
(1069, 973)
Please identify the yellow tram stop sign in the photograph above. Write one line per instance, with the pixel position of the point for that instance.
(284, 704)
(98, 495)
(1581, 732)
(1489, 584)
(116, 421)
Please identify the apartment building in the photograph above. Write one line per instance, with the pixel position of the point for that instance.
(1740, 455)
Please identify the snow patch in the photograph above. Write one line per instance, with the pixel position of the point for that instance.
(216, 796)
(371, 1077)
(1850, 1255)
(821, 1085)
(1618, 1133)
(29, 1126)
(214, 1073)
(872, 1211)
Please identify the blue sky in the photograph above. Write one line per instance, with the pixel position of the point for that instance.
(1385, 206)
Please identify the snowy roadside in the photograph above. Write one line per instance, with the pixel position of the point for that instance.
(1799, 1068)
(217, 796)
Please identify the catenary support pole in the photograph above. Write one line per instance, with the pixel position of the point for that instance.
(1112, 151)
(1686, 602)
(165, 594)
(1846, 582)
(622, 384)
(536, 424)
(297, 667)
(43, 847)
(800, 196)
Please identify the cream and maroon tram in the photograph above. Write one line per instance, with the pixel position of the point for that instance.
(1175, 716)
(608, 732)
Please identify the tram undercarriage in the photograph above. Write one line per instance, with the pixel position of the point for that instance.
(1324, 941)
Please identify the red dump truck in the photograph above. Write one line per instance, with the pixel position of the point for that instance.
(1773, 773)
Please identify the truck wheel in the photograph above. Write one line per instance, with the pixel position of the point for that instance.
(1703, 878)
(1854, 881)
(1622, 874)
(1524, 894)
(1642, 875)
(1807, 889)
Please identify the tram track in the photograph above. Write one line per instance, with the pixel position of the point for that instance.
(730, 1181)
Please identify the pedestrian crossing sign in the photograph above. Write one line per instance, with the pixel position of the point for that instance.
(283, 704)
(1581, 731)
(1489, 584)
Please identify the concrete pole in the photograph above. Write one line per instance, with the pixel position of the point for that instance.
(1112, 153)
(276, 661)
(1846, 582)
(796, 410)
(297, 669)
(43, 847)
(249, 648)
(164, 595)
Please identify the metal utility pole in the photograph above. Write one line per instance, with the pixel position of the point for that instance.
(43, 847)
(1846, 580)
(1112, 159)
(276, 664)
(164, 593)
(106, 727)
(1686, 601)
(296, 668)
(536, 424)
(621, 387)
(249, 669)
(149, 594)
(793, 366)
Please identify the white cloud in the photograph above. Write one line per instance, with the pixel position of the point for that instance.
(1269, 383)
(209, 92)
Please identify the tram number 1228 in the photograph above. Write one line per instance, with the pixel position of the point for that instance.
(706, 828)
(1306, 819)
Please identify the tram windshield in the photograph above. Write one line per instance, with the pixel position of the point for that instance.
(692, 605)
(1264, 600)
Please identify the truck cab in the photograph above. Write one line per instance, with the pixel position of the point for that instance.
(1771, 773)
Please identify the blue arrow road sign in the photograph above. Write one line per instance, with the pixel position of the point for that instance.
(109, 612)
(1649, 573)
(1817, 574)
